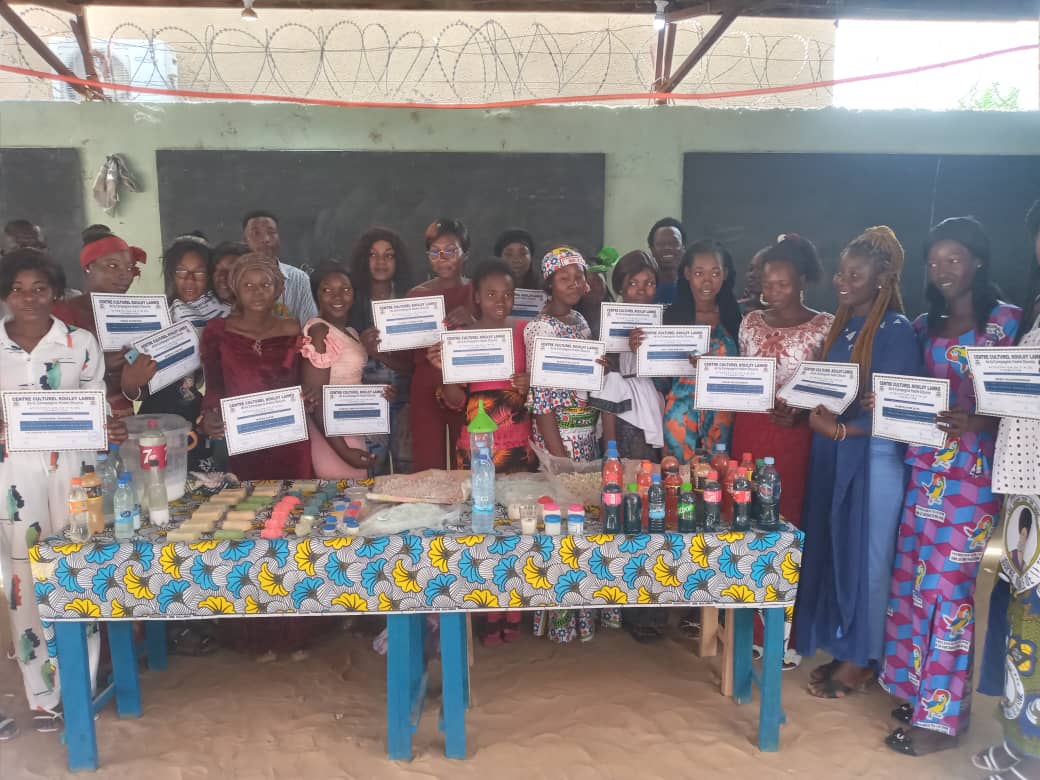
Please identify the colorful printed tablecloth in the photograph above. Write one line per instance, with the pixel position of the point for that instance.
(410, 572)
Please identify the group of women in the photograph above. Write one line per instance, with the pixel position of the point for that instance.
(888, 576)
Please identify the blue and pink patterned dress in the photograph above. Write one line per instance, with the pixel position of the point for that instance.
(948, 516)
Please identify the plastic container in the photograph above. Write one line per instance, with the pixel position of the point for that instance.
(176, 430)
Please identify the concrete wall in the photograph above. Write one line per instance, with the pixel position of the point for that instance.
(643, 146)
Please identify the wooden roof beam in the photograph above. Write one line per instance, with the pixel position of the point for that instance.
(727, 17)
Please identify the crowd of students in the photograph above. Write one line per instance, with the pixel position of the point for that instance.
(888, 575)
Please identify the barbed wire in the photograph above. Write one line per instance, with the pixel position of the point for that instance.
(463, 61)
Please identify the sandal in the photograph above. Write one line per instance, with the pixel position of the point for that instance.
(190, 641)
(996, 758)
(1011, 773)
(904, 713)
(830, 688)
(903, 741)
(8, 728)
(824, 672)
(646, 634)
(48, 721)
(792, 660)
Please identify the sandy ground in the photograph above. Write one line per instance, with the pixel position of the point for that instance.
(608, 709)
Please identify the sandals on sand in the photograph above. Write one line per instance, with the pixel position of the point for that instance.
(904, 713)
(918, 742)
(833, 688)
(8, 728)
(996, 758)
(824, 672)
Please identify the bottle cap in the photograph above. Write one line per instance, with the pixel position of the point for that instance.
(687, 486)
(631, 488)
(611, 444)
(124, 479)
(746, 456)
(713, 474)
(126, 474)
(76, 481)
(113, 447)
(759, 462)
(646, 466)
(482, 422)
(769, 460)
(720, 448)
(575, 509)
(656, 479)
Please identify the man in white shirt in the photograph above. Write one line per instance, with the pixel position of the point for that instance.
(260, 232)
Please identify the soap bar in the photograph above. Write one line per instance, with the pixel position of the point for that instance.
(238, 524)
(229, 534)
(269, 489)
(182, 535)
(209, 512)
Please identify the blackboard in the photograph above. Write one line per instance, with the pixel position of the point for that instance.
(45, 186)
(746, 200)
(325, 199)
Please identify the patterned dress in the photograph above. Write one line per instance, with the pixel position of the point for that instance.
(948, 516)
(687, 429)
(35, 499)
(757, 433)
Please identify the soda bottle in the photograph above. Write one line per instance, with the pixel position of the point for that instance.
(655, 506)
(755, 509)
(672, 486)
(153, 448)
(482, 474)
(742, 501)
(769, 496)
(700, 474)
(106, 471)
(633, 514)
(727, 489)
(669, 465)
(613, 471)
(643, 481)
(720, 460)
(155, 495)
(687, 509)
(95, 504)
(79, 520)
(712, 502)
(124, 504)
(611, 508)
(746, 462)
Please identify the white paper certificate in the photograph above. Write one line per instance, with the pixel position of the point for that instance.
(408, 323)
(260, 420)
(176, 351)
(353, 410)
(476, 355)
(1007, 381)
(831, 385)
(666, 350)
(735, 384)
(123, 319)
(905, 408)
(527, 304)
(54, 420)
(618, 320)
(569, 364)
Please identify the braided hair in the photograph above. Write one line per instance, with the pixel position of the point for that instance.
(880, 245)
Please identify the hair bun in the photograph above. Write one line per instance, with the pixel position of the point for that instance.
(93, 233)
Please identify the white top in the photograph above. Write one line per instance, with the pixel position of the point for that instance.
(647, 404)
(1016, 461)
(200, 311)
(297, 296)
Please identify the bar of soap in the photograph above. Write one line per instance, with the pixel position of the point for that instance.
(229, 534)
(199, 526)
(182, 535)
(237, 524)
(215, 511)
(269, 489)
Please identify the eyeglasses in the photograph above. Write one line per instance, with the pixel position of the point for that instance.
(184, 273)
(444, 254)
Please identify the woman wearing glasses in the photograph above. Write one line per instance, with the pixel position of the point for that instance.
(434, 427)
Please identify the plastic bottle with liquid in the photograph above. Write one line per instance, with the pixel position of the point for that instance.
(106, 471)
(116, 457)
(79, 520)
(727, 489)
(742, 501)
(755, 510)
(613, 471)
(156, 498)
(672, 488)
(712, 502)
(655, 506)
(720, 460)
(153, 449)
(633, 511)
(747, 463)
(124, 503)
(482, 473)
(643, 481)
(687, 509)
(769, 489)
(95, 503)
(612, 508)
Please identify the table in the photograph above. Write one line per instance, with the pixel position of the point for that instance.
(405, 576)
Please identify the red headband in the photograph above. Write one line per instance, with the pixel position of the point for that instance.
(105, 246)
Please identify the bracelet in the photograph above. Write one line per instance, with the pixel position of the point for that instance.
(844, 432)
(128, 398)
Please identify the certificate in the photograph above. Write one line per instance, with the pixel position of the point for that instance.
(905, 408)
(260, 420)
(353, 410)
(832, 385)
(735, 384)
(176, 351)
(1007, 381)
(618, 320)
(568, 364)
(55, 420)
(476, 355)
(666, 350)
(527, 304)
(408, 323)
(123, 319)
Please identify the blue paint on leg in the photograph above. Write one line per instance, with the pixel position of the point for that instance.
(398, 684)
(743, 630)
(770, 712)
(155, 643)
(124, 669)
(74, 673)
(453, 674)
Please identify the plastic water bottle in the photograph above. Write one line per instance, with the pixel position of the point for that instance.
(611, 508)
(633, 514)
(655, 501)
(769, 488)
(742, 501)
(756, 510)
(79, 520)
(687, 509)
(106, 471)
(712, 502)
(482, 473)
(125, 506)
(153, 449)
(155, 497)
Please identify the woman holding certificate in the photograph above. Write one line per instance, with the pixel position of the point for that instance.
(790, 332)
(447, 242)
(38, 351)
(949, 509)
(851, 509)
(109, 267)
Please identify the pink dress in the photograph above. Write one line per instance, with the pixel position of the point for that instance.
(345, 357)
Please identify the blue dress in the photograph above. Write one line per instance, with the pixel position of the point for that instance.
(854, 500)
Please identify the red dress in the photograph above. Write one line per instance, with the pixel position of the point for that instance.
(757, 433)
(428, 418)
(236, 365)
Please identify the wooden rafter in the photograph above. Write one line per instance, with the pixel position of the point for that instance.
(82, 33)
(704, 45)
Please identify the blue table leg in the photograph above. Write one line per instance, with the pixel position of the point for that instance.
(743, 633)
(770, 713)
(124, 669)
(455, 673)
(405, 682)
(155, 643)
(74, 674)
